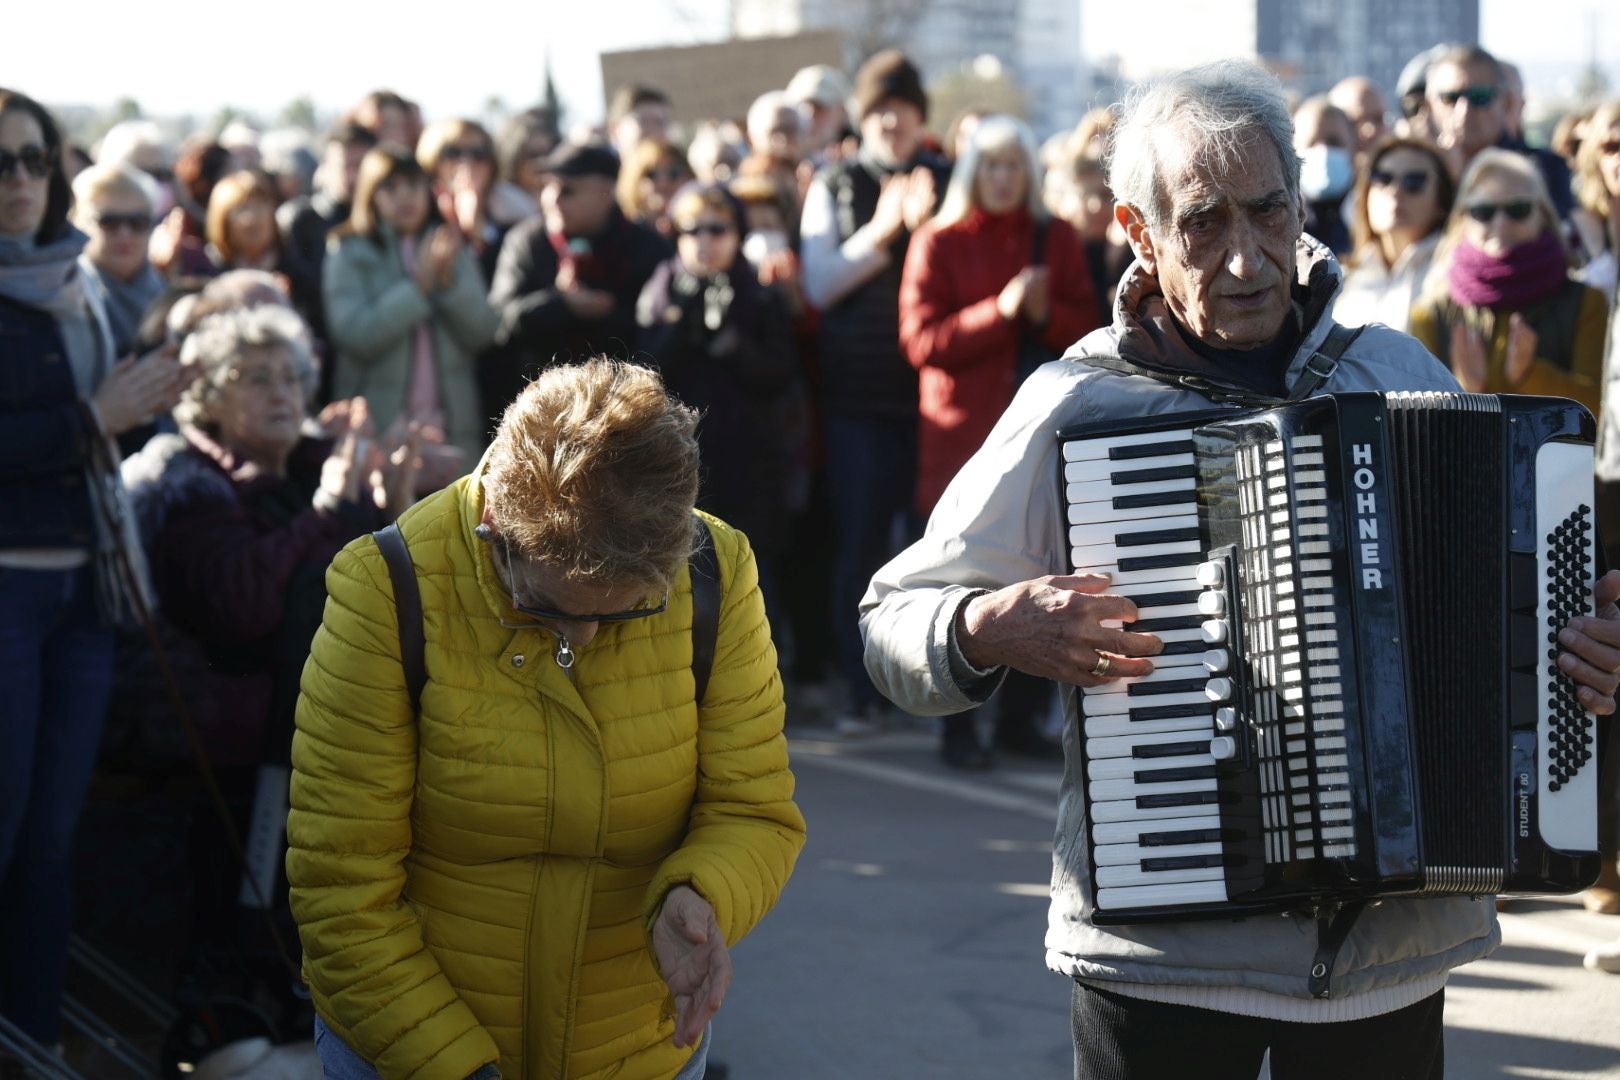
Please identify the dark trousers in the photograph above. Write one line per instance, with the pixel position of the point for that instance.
(872, 483)
(1123, 1038)
(56, 662)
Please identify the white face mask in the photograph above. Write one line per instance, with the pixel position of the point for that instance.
(1325, 172)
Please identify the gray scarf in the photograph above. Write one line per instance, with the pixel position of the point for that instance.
(125, 302)
(45, 277)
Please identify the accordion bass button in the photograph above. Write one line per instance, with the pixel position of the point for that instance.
(1211, 575)
(1211, 603)
(1226, 718)
(1218, 689)
(1215, 631)
(1216, 660)
(1223, 748)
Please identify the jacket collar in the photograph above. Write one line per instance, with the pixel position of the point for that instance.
(1144, 333)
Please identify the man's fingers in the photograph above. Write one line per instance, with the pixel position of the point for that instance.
(1125, 643)
(1588, 675)
(1119, 667)
(1593, 650)
(1086, 583)
(1607, 589)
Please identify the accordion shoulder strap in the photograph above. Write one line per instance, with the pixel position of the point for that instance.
(1318, 370)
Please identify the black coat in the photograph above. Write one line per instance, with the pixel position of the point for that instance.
(725, 347)
(537, 327)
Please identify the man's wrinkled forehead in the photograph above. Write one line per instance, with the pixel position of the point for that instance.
(1193, 176)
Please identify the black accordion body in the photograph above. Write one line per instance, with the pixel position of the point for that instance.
(1359, 696)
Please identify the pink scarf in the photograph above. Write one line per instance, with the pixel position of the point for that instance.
(1528, 273)
(422, 395)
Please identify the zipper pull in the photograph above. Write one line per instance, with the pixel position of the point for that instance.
(565, 655)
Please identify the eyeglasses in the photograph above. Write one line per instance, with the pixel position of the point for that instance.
(1410, 182)
(1477, 96)
(554, 615)
(712, 229)
(34, 159)
(464, 153)
(1515, 209)
(135, 223)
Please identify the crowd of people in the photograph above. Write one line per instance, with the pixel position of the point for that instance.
(226, 360)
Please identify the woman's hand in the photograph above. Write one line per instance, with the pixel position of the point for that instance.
(1010, 302)
(693, 959)
(164, 244)
(138, 388)
(1468, 360)
(345, 470)
(1521, 349)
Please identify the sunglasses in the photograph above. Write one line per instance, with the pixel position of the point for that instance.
(711, 229)
(1515, 209)
(464, 153)
(554, 615)
(34, 159)
(1410, 182)
(1477, 96)
(135, 223)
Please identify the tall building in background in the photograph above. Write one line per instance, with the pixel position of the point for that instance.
(1036, 41)
(1315, 43)
(1311, 44)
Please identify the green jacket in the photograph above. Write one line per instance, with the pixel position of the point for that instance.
(372, 309)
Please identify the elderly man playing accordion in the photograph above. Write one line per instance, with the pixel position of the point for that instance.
(1226, 301)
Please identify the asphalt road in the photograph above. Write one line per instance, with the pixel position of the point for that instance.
(908, 944)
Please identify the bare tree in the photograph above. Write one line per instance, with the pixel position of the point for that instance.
(872, 25)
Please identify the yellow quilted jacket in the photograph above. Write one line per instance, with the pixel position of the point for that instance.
(477, 885)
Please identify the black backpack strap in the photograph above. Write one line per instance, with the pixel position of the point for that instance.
(705, 570)
(407, 610)
(1324, 361)
(1037, 253)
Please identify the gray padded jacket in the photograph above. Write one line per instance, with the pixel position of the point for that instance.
(999, 523)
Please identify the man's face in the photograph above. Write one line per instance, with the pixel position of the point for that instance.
(648, 121)
(576, 205)
(1467, 105)
(892, 131)
(1224, 256)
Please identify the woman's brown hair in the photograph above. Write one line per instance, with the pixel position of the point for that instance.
(1445, 192)
(59, 195)
(380, 165)
(1590, 188)
(594, 473)
(647, 156)
(232, 192)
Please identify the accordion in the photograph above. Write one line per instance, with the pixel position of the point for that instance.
(1359, 598)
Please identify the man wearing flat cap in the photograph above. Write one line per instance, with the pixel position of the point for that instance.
(858, 219)
(567, 280)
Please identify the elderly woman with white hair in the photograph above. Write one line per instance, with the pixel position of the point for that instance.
(241, 511)
(1226, 303)
(115, 206)
(993, 287)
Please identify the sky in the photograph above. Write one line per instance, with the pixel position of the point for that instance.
(193, 59)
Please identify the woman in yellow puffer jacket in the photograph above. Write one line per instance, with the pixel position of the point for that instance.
(540, 874)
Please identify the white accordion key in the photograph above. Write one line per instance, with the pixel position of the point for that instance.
(1223, 748)
(1212, 575)
(1212, 603)
(1215, 631)
(1218, 689)
(1226, 718)
(1217, 660)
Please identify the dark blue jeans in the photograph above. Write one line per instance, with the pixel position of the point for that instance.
(56, 662)
(872, 485)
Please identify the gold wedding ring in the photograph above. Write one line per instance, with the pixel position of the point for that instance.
(1102, 666)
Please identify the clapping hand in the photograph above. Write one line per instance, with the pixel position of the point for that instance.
(1468, 360)
(693, 959)
(138, 388)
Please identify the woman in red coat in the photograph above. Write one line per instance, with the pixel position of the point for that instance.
(992, 279)
(992, 286)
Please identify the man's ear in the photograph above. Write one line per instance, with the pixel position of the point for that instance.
(1138, 235)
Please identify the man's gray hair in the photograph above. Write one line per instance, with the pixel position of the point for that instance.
(218, 344)
(1216, 110)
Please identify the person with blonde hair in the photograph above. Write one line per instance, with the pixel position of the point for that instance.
(459, 157)
(1596, 220)
(533, 852)
(651, 176)
(114, 205)
(1501, 309)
